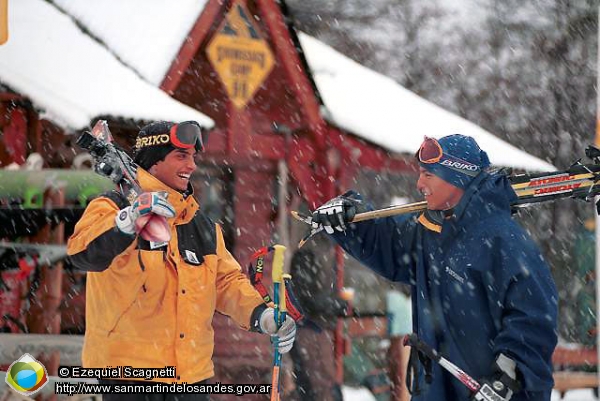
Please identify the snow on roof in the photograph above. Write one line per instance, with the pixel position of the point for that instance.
(147, 34)
(378, 109)
(73, 78)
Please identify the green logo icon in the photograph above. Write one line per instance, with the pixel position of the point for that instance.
(26, 375)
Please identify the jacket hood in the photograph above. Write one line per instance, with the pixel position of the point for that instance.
(487, 195)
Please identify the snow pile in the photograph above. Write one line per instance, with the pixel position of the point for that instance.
(378, 109)
(71, 77)
(145, 35)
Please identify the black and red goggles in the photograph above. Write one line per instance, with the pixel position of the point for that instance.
(187, 135)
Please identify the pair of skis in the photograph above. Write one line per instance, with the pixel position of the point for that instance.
(580, 181)
(110, 161)
(115, 164)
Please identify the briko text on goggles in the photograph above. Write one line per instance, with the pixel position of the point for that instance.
(431, 152)
(185, 135)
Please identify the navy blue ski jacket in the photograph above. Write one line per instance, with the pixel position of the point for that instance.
(479, 288)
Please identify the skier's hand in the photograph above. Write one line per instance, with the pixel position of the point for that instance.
(493, 390)
(336, 213)
(128, 219)
(286, 333)
(502, 385)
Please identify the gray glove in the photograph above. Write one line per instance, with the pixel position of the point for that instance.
(128, 219)
(286, 333)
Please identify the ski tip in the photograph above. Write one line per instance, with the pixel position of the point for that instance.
(301, 217)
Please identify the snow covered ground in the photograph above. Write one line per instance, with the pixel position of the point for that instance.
(575, 395)
(362, 394)
(357, 394)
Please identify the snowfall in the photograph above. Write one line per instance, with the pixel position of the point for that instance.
(35, 73)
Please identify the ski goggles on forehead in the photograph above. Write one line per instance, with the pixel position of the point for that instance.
(187, 135)
(431, 152)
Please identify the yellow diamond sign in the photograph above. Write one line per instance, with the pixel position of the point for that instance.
(239, 54)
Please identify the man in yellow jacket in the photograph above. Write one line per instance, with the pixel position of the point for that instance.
(150, 305)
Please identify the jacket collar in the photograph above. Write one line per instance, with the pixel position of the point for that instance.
(486, 195)
(185, 206)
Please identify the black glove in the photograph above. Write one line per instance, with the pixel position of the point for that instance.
(336, 213)
(502, 384)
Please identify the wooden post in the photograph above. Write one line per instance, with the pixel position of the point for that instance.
(342, 335)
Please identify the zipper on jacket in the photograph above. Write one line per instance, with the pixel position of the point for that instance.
(140, 261)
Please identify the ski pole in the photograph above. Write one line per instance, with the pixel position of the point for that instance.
(374, 214)
(280, 314)
(464, 378)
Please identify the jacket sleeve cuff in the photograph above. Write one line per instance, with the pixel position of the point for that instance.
(255, 318)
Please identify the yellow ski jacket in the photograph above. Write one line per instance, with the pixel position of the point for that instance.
(151, 306)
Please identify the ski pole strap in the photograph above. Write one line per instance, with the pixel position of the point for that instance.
(413, 382)
(415, 342)
(432, 355)
(256, 275)
(294, 309)
(417, 355)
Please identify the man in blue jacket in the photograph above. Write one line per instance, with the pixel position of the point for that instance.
(482, 294)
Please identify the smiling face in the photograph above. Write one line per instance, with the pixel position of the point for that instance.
(175, 170)
(439, 194)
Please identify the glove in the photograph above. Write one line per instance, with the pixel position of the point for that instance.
(336, 213)
(503, 383)
(286, 333)
(128, 219)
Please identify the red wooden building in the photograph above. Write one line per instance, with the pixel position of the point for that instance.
(271, 148)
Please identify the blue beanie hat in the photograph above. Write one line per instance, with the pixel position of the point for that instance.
(462, 160)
